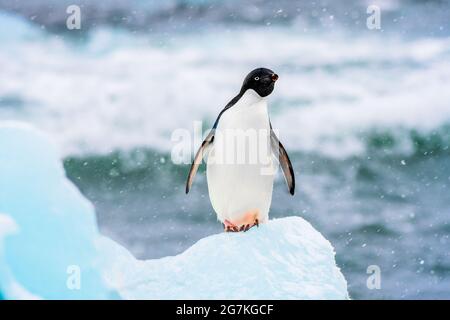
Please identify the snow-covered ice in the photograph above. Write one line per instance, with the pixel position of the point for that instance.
(283, 259)
(49, 236)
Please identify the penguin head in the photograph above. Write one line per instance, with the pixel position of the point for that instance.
(261, 80)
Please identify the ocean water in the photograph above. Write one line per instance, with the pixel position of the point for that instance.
(364, 115)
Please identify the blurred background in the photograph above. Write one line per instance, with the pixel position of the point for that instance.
(364, 115)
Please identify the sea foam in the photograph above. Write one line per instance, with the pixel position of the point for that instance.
(50, 246)
(120, 90)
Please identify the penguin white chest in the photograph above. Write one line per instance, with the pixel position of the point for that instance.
(240, 164)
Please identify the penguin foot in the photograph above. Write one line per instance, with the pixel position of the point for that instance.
(231, 227)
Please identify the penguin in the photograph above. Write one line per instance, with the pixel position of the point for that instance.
(240, 174)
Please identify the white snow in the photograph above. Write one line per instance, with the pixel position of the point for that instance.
(47, 226)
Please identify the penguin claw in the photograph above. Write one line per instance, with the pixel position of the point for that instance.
(231, 229)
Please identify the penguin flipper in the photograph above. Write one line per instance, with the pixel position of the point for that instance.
(285, 163)
(198, 160)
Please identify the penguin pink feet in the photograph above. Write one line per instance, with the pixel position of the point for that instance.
(230, 227)
(249, 220)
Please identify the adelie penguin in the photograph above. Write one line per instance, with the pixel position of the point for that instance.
(240, 172)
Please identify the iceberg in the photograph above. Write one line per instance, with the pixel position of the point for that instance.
(50, 246)
(283, 259)
(48, 229)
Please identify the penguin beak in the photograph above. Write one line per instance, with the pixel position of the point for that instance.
(274, 77)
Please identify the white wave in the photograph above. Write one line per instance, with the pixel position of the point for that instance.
(122, 90)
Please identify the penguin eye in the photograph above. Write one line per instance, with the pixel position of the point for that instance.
(256, 78)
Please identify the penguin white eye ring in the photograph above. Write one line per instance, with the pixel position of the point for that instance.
(240, 194)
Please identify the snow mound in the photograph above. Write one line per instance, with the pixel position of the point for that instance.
(50, 246)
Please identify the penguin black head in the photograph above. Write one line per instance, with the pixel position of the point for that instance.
(261, 80)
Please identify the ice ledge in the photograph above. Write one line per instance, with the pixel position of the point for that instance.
(47, 227)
